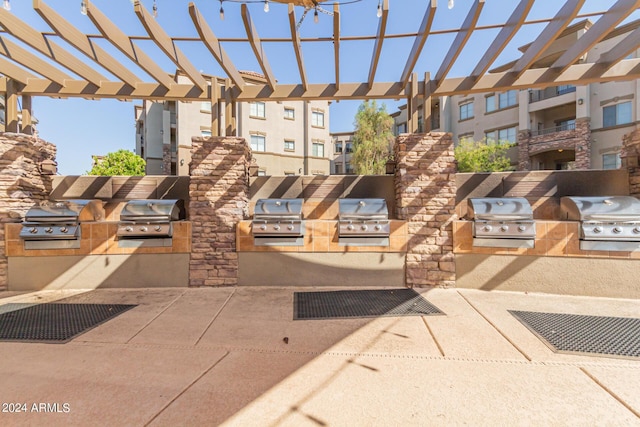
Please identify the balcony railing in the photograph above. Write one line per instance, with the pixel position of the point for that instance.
(560, 128)
(550, 92)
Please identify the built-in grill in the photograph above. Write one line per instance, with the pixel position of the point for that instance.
(278, 222)
(55, 224)
(503, 222)
(148, 222)
(363, 222)
(606, 223)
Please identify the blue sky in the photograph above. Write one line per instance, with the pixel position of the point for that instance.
(81, 128)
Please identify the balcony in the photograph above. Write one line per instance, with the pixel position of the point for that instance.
(550, 92)
(560, 128)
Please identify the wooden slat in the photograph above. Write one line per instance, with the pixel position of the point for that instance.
(27, 125)
(426, 106)
(412, 104)
(80, 41)
(166, 45)
(551, 32)
(215, 47)
(49, 48)
(336, 42)
(503, 38)
(256, 45)
(11, 106)
(620, 51)
(460, 41)
(297, 48)
(32, 62)
(215, 107)
(121, 41)
(603, 26)
(419, 42)
(229, 116)
(9, 69)
(377, 47)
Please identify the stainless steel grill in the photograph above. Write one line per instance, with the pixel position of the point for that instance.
(363, 222)
(56, 224)
(606, 223)
(505, 222)
(148, 222)
(278, 222)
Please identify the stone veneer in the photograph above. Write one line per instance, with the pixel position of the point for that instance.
(425, 198)
(578, 139)
(21, 183)
(630, 154)
(219, 200)
(166, 159)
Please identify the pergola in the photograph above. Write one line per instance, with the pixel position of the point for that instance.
(27, 74)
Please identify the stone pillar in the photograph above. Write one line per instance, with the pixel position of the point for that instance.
(21, 183)
(166, 159)
(219, 199)
(425, 198)
(524, 161)
(630, 154)
(583, 143)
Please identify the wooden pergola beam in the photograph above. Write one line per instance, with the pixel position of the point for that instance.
(603, 26)
(123, 43)
(215, 47)
(620, 51)
(81, 42)
(26, 121)
(297, 48)
(377, 47)
(336, 41)
(511, 27)
(460, 41)
(551, 32)
(256, 45)
(421, 39)
(215, 106)
(49, 48)
(11, 106)
(32, 62)
(166, 45)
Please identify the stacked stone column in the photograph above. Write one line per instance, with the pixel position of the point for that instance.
(219, 200)
(21, 183)
(425, 198)
(630, 155)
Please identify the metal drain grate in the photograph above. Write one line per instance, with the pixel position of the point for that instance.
(572, 333)
(57, 323)
(362, 303)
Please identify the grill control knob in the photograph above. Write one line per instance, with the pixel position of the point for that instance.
(48, 230)
(158, 228)
(350, 227)
(64, 229)
(128, 228)
(522, 228)
(378, 227)
(487, 228)
(33, 230)
(263, 227)
(617, 230)
(290, 227)
(143, 228)
(364, 228)
(636, 230)
(276, 227)
(597, 229)
(504, 228)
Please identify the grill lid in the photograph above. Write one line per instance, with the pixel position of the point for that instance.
(601, 208)
(499, 209)
(153, 210)
(69, 211)
(278, 209)
(363, 209)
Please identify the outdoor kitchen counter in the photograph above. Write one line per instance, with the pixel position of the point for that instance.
(553, 239)
(98, 238)
(322, 236)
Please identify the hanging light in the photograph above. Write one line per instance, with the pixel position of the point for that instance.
(315, 16)
(379, 12)
(221, 11)
(266, 5)
(83, 7)
(450, 4)
(155, 9)
(6, 5)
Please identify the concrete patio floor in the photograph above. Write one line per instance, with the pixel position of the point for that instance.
(218, 356)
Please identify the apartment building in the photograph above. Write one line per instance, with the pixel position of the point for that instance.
(342, 144)
(560, 127)
(286, 138)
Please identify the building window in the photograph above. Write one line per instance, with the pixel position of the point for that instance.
(466, 111)
(562, 89)
(205, 107)
(508, 99)
(611, 161)
(289, 173)
(317, 149)
(401, 128)
(338, 148)
(349, 147)
(256, 109)
(349, 168)
(258, 143)
(567, 124)
(617, 114)
(289, 113)
(466, 138)
(289, 146)
(502, 136)
(317, 119)
(338, 169)
(490, 103)
(262, 172)
(205, 133)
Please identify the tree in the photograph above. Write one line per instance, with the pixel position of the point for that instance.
(482, 156)
(372, 140)
(121, 162)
